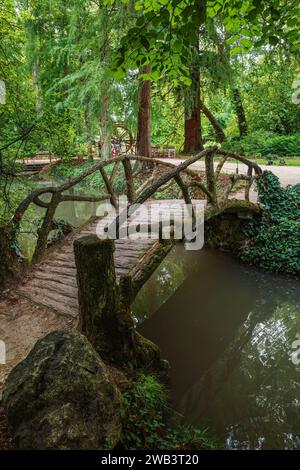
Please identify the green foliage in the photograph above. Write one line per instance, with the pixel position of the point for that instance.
(147, 409)
(282, 145)
(264, 144)
(275, 239)
(93, 182)
(165, 31)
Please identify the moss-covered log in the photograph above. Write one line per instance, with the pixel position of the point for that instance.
(105, 317)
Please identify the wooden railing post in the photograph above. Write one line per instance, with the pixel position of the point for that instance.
(109, 188)
(129, 180)
(46, 228)
(249, 183)
(210, 177)
(186, 197)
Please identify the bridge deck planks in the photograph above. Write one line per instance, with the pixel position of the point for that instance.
(52, 283)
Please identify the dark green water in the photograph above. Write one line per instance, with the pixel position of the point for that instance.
(228, 333)
(75, 213)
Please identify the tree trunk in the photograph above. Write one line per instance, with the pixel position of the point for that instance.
(104, 307)
(104, 124)
(8, 258)
(104, 54)
(143, 140)
(36, 85)
(220, 136)
(192, 122)
(240, 112)
(192, 132)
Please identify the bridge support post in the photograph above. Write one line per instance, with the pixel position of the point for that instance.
(104, 313)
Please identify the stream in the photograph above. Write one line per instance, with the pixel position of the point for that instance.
(228, 332)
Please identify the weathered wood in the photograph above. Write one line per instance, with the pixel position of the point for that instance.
(257, 169)
(129, 180)
(166, 179)
(210, 177)
(147, 265)
(46, 227)
(109, 188)
(98, 296)
(74, 197)
(249, 184)
(134, 258)
(103, 317)
(114, 172)
(220, 166)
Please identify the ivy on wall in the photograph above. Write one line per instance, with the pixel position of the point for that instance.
(274, 239)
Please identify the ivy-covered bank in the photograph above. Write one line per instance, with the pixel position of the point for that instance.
(274, 239)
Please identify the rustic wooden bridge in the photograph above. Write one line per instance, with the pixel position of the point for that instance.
(52, 279)
(52, 282)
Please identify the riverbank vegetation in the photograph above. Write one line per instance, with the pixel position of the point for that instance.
(153, 425)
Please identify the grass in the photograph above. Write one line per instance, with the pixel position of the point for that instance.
(289, 161)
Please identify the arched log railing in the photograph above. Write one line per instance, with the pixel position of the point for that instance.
(147, 190)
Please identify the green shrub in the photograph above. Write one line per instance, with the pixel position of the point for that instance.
(275, 239)
(264, 143)
(284, 146)
(148, 413)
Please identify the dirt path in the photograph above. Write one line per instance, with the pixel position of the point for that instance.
(22, 323)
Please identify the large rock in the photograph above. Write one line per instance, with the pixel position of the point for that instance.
(62, 397)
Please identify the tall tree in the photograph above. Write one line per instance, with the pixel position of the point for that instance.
(192, 110)
(143, 140)
(240, 112)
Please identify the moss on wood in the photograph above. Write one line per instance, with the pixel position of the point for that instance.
(105, 317)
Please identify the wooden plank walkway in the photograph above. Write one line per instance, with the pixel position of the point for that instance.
(52, 282)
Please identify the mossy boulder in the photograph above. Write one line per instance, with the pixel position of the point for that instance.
(62, 397)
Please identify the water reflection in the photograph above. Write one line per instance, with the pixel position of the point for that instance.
(75, 213)
(228, 332)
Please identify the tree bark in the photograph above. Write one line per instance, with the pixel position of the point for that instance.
(104, 123)
(210, 177)
(8, 258)
(36, 85)
(104, 307)
(192, 121)
(240, 112)
(220, 136)
(143, 140)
